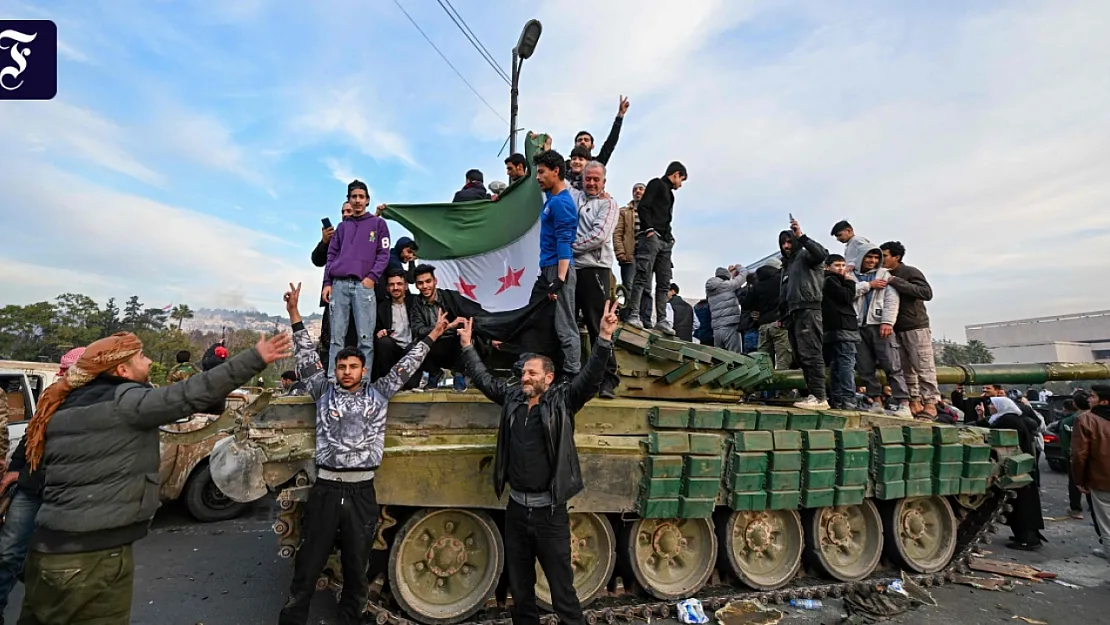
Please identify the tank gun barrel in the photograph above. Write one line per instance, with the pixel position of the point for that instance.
(1020, 373)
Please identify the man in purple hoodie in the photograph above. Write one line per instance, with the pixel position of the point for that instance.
(357, 257)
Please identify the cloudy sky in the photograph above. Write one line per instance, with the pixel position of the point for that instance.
(194, 146)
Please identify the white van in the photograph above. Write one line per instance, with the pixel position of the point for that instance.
(24, 382)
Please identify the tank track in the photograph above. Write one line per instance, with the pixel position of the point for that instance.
(975, 529)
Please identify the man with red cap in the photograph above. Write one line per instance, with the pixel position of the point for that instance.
(19, 521)
(96, 431)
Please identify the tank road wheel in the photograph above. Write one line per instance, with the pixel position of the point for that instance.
(592, 557)
(444, 564)
(671, 558)
(920, 533)
(764, 548)
(845, 542)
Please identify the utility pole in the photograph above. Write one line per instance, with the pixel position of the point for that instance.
(525, 46)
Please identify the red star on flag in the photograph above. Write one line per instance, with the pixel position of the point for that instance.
(511, 279)
(466, 289)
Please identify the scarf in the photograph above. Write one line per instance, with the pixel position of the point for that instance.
(1002, 406)
(100, 357)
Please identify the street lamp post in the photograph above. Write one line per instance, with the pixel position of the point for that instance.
(525, 46)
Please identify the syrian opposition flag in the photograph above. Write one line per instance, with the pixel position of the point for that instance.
(487, 251)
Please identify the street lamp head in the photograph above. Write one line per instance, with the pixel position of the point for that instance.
(528, 38)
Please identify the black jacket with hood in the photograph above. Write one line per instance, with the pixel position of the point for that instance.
(558, 405)
(763, 296)
(395, 264)
(472, 190)
(838, 310)
(803, 273)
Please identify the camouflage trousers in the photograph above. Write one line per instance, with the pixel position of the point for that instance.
(91, 588)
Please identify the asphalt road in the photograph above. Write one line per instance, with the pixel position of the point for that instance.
(229, 574)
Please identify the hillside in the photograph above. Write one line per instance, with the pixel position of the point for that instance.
(215, 320)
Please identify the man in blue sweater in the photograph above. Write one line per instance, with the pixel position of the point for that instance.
(558, 228)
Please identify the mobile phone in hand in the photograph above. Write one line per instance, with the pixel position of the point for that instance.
(326, 221)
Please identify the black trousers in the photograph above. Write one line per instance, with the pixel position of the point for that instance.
(807, 339)
(388, 353)
(590, 295)
(1075, 499)
(543, 534)
(351, 510)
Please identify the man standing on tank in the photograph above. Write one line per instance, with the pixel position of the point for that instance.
(537, 457)
(558, 229)
(654, 243)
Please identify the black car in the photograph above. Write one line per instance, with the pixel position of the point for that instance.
(1053, 452)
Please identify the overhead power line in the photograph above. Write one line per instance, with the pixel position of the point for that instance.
(448, 62)
(464, 28)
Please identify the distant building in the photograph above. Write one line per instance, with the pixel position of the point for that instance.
(1080, 337)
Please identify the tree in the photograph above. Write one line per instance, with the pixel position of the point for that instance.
(77, 321)
(977, 352)
(950, 354)
(132, 313)
(109, 318)
(153, 318)
(181, 312)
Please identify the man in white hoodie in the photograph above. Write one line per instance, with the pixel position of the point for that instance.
(854, 245)
(876, 310)
(593, 258)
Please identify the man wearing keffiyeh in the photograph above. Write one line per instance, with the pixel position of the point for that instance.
(95, 432)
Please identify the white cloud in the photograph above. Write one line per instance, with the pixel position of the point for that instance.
(71, 53)
(348, 116)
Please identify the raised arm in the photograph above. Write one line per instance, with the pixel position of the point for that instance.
(614, 134)
(495, 390)
(306, 359)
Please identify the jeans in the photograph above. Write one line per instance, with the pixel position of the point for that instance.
(566, 324)
(806, 339)
(841, 356)
(540, 534)
(653, 257)
(14, 538)
(350, 296)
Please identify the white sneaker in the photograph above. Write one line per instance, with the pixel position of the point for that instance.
(877, 408)
(811, 403)
(665, 328)
(901, 410)
(1098, 551)
(634, 321)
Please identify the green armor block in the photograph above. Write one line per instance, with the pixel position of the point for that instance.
(891, 435)
(918, 453)
(786, 460)
(753, 441)
(803, 420)
(706, 444)
(779, 481)
(818, 498)
(786, 500)
(747, 482)
(977, 453)
(661, 488)
(658, 508)
(852, 439)
(771, 420)
(948, 453)
(1015, 481)
(703, 466)
(707, 419)
(978, 469)
(701, 487)
(818, 439)
(853, 458)
(973, 485)
(674, 418)
(818, 479)
(917, 435)
(819, 459)
(1003, 438)
(919, 488)
(890, 490)
(829, 421)
(787, 439)
(663, 466)
(668, 443)
(945, 435)
(851, 477)
(890, 454)
(943, 486)
(918, 471)
(690, 508)
(741, 419)
(749, 501)
(849, 495)
(889, 472)
(1018, 464)
(750, 462)
(947, 470)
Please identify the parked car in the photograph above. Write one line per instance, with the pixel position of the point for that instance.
(1053, 452)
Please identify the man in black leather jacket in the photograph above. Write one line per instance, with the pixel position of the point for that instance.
(537, 457)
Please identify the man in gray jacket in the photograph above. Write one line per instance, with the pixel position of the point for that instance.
(593, 258)
(876, 310)
(800, 296)
(724, 306)
(96, 434)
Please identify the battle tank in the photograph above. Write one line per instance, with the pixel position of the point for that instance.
(690, 492)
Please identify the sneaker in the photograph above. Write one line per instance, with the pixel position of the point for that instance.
(1098, 551)
(634, 321)
(812, 403)
(901, 410)
(459, 383)
(607, 393)
(877, 408)
(665, 328)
